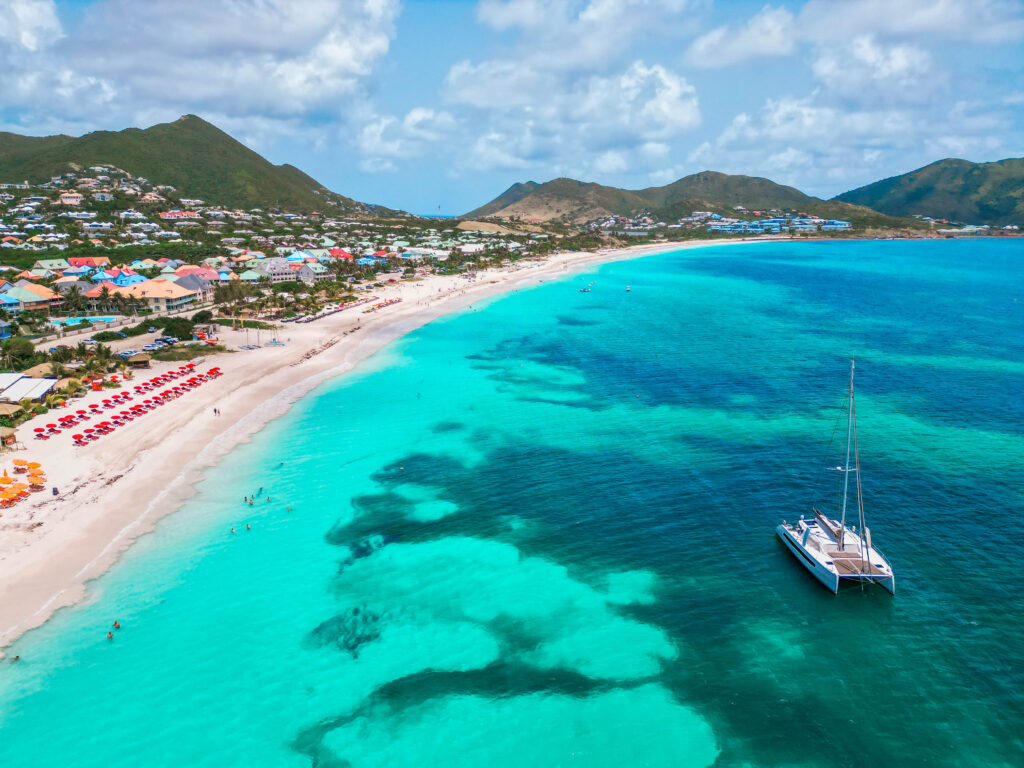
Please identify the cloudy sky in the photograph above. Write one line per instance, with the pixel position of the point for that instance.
(424, 104)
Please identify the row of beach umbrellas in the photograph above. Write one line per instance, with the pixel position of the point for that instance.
(163, 391)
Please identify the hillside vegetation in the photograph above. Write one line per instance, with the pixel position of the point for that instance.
(957, 190)
(190, 154)
(577, 202)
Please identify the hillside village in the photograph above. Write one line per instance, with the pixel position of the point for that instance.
(773, 221)
(102, 239)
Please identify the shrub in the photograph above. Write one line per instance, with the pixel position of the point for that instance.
(202, 316)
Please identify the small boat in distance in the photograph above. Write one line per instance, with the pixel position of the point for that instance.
(584, 290)
(830, 549)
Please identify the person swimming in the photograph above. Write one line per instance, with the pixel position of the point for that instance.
(248, 527)
(110, 635)
(117, 624)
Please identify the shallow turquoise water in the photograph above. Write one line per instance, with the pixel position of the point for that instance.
(541, 533)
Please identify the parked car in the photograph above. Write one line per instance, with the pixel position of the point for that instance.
(127, 353)
(151, 329)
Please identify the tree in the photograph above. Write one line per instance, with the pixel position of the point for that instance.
(104, 298)
(18, 352)
(178, 327)
(74, 300)
(62, 354)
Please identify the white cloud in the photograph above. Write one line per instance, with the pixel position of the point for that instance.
(810, 143)
(260, 58)
(640, 105)
(774, 32)
(866, 68)
(29, 24)
(982, 21)
(383, 139)
(770, 32)
(570, 96)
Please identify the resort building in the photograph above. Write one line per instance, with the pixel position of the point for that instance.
(33, 297)
(278, 270)
(313, 273)
(160, 295)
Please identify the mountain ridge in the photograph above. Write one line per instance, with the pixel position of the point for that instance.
(952, 189)
(190, 154)
(576, 201)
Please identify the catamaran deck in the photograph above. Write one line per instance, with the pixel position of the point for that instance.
(854, 560)
(850, 564)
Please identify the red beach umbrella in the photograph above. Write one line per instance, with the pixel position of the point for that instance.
(38, 429)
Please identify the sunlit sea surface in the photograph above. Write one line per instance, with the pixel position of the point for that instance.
(541, 533)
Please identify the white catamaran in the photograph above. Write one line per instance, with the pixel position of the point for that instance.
(831, 549)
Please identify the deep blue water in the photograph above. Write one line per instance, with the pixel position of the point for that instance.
(541, 533)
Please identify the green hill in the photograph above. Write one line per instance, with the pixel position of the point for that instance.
(190, 154)
(958, 190)
(516, 192)
(577, 202)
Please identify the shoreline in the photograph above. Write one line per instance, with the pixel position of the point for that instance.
(52, 547)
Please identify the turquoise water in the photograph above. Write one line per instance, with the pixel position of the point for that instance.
(77, 320)
(541, 533)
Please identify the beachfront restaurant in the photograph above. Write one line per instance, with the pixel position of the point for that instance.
(15, 387)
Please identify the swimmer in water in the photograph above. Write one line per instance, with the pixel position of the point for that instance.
(110, 635)
(117, 624)
(248, 527)
(232, 530)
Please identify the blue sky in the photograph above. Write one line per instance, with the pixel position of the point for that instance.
(444, 103)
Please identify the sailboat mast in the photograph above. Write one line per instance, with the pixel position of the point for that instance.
(864, 557)
(846, 464)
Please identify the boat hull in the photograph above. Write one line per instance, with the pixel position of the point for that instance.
(829, 579)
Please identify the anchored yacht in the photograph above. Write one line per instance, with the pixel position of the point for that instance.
(831, 549)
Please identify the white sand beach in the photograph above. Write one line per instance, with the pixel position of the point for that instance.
(116, 489)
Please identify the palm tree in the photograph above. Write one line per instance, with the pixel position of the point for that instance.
(57, 370)
(103, 300)
(74, 300)
(93, 367)
(103, 354)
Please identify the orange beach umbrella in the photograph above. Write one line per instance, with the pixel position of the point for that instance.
(6, 480)
(20, 463)
(33, 465)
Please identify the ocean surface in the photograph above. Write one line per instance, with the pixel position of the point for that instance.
(540, 532)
